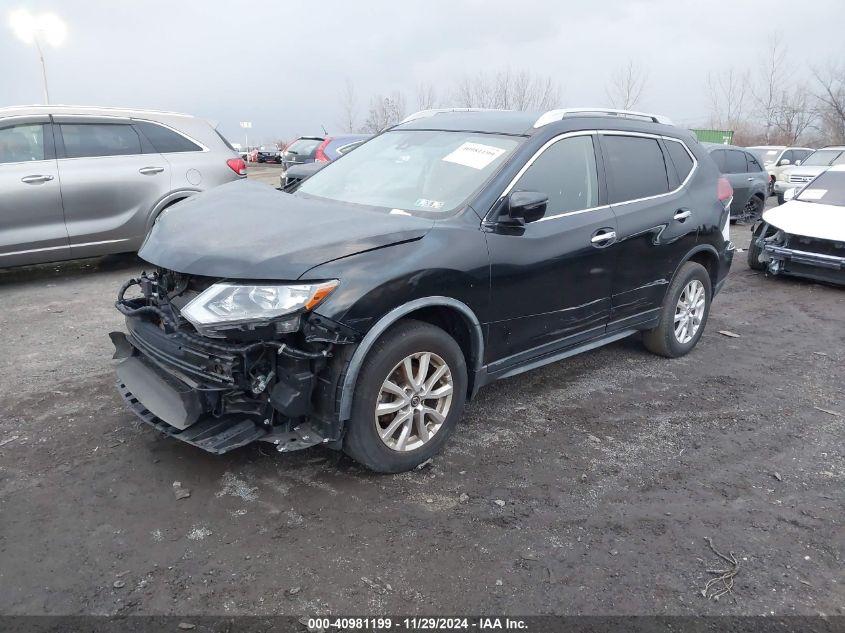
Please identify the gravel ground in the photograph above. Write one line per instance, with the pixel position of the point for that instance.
(585, 487)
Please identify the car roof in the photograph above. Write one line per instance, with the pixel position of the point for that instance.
(714, 146)
(836, 147)
(521, 123)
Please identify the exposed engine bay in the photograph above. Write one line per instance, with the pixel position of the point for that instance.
(220, 388)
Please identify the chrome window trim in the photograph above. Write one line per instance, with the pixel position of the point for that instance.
(128, 121)
(566, 135)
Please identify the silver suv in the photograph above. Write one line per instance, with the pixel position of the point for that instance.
(86, 181)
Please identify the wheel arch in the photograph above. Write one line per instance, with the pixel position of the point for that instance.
(707, 256)
(452, 315)
(171, 198)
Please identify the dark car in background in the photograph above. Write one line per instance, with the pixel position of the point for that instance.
(748, 177)
(450, 251)
(308, 154)
(269, 156)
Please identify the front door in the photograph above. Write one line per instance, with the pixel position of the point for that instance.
(32, 227)
(551, 279)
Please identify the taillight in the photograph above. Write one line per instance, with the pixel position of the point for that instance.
(724, 191)
(320, 154)
(237, 165)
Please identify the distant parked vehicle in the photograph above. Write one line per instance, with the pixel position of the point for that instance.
(811, 167)
(336, 147)
(749, 180)
(87, 181)
(775, 158)
(324, 149)
(806, 236)
(269, 156)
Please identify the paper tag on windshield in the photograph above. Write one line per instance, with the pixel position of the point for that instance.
(812, 194)
(474, 155)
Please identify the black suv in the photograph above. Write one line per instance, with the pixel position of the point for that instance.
(454, 249)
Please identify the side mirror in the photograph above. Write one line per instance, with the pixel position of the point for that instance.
(797, 162)
(783, 162)
(789, 194)
(523, 207)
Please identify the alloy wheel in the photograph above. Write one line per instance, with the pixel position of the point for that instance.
(413, 401)
(690, 311)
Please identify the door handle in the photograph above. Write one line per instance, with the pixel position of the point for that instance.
(151, 170)
(750, 180)
(681, 214)
(36, 179)
(603, 237)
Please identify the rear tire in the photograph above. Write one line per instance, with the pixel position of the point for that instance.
(376, 440)
(781, 199)
(681, 306)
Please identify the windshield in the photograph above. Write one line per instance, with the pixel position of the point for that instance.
(822, 158)
(765, 154)
(828, 188)
(413, 170)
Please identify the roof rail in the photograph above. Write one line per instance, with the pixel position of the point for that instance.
(556, 115)
(427, 113)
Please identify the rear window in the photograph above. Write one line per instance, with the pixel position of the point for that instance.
(225, 140)
(681, 158)
(304, 146)
(164, 140)
(753, 164)
(637, 168)
(22, 143)
(99, 139)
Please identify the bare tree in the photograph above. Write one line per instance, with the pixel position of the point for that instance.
(831, 101)
(795, 115)
(728, 94)
(384, 111)
(768, 91)
(626, 86)
(426, 96)
(508, 90)
(349, 107)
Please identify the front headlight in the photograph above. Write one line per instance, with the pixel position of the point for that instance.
(228, 304)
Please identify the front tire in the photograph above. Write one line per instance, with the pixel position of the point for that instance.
(683, 314)
(408, 398)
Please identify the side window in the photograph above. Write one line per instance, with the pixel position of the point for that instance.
(637, 168)
(719, 156)
(788, 155)
(735, 162)
(99, 139)
(566, 172)
(164, 140)
(22, 143)
(681, 158)
(801, 154)
(753, 163)
(345, 149)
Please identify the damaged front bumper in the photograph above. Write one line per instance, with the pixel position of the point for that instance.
(221, 394)
(820, 260)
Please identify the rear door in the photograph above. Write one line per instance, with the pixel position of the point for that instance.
(657, 224)
(736, 171)
(32, 226)
(758, 177)
(111, 180)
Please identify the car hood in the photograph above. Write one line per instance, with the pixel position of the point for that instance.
(248, 230)
(800, 170)
(810, 219)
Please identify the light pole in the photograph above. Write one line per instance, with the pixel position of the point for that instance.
(37, 29)
(246, 125)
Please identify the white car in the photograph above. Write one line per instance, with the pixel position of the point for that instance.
(812, 166)
(805, 236)
(776, 158)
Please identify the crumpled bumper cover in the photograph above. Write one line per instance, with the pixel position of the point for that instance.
(800, 263)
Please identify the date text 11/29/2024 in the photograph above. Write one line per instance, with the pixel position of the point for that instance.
(416, 623)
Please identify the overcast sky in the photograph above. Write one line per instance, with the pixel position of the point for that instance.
(283, 64)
